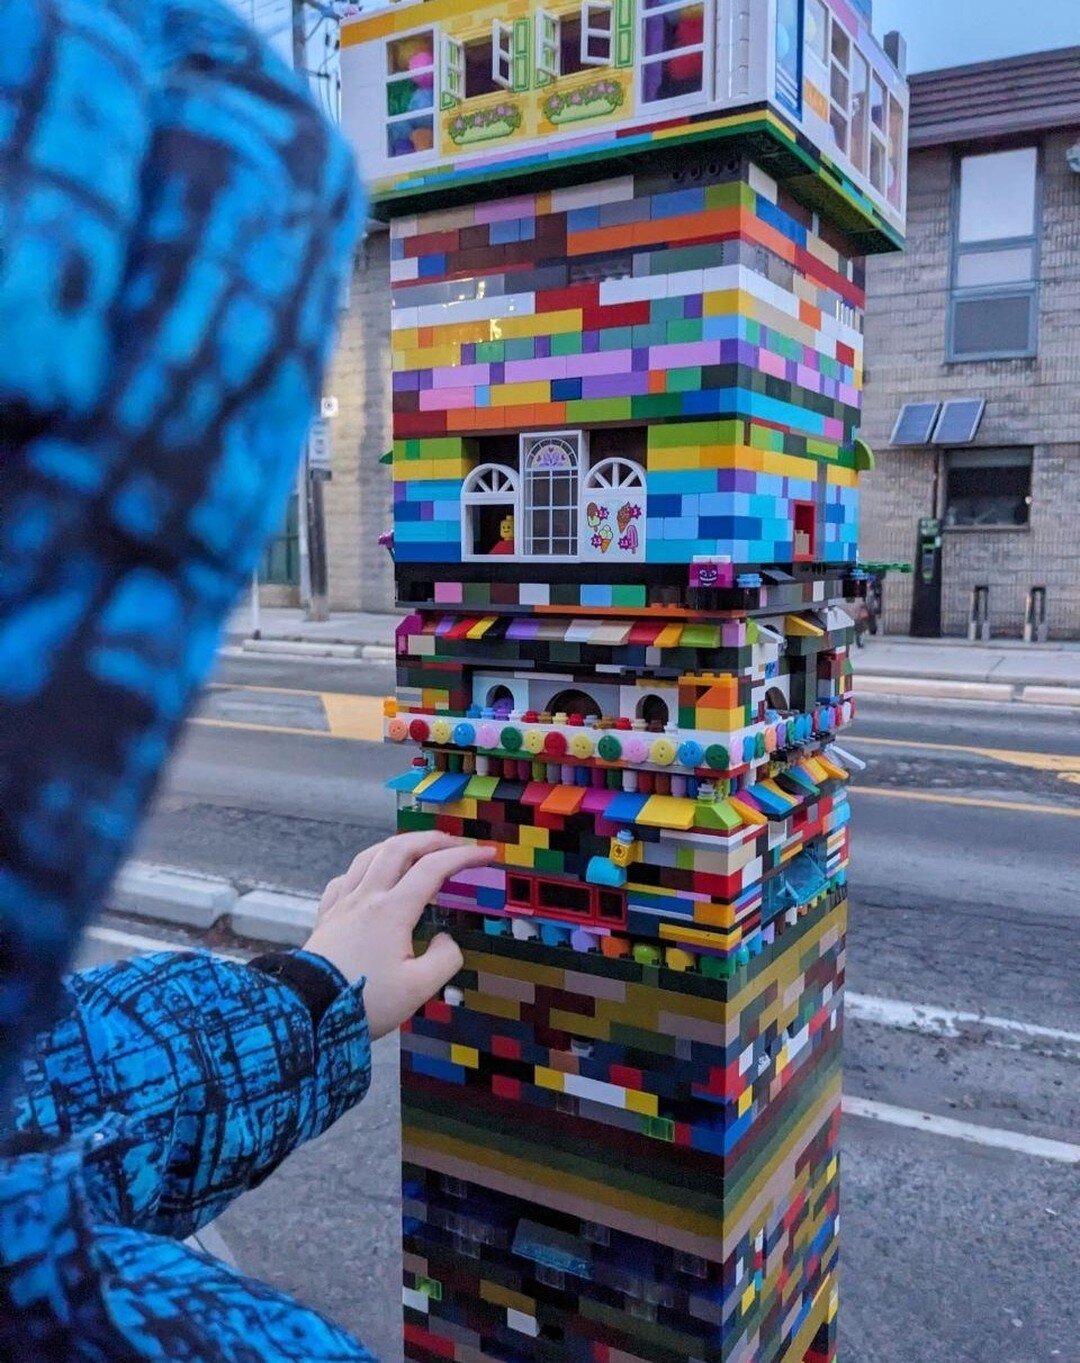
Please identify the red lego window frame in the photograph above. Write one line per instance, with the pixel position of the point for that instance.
(606, 906)
(804, 522)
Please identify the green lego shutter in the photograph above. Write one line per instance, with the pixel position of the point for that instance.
(522, 54)
(453, 73)
(624, 32)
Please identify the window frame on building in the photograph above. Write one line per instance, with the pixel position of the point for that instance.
(658, 9)
(426, 115)
(987, 458)
(960, 250)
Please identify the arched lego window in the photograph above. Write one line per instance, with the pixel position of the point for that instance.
(655, 712)
(551, 465)
(501, 700)
(490, 502)
(613, 511)
(574, 702)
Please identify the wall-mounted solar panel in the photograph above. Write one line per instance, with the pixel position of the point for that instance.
(915, 423)
(959, 421)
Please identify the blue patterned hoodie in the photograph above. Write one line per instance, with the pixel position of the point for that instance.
(175, 223)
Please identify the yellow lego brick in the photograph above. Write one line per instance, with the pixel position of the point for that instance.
(503, 1296)
(646, 1104)
(549, 1079)
(747, 1299)
(520, 394)
(534, 837)
(723, 303)
(674, 461)
(405, 338)
(517, 856)
(746, 1101)
(465, 1055)
(536, 324)
(414, 470)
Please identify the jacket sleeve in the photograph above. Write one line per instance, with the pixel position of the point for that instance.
(194, 1076)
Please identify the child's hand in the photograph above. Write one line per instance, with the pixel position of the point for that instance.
(367, 916)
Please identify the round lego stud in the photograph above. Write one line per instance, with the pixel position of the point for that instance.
(419, 731)
(441, 730)
(555, 745)
(691, 754)
(510, 739)
(662, 753)
(534, 741)
(464, 735)
(397, 731)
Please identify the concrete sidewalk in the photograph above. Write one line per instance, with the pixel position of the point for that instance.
(1003, 670)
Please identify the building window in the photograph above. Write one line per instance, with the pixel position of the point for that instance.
(568, 43)
(996, 256)
(410, 94)
(804, 531)
(575, 703)
(988, 489)
(490, 512)
(614, 513)
(673, 49)
(551, 465)
(485, 64)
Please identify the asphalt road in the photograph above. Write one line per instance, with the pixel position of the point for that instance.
(966, 863)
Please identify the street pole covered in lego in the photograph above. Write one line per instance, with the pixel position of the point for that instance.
(626, 244)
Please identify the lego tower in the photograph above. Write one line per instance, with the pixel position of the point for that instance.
(626, 242)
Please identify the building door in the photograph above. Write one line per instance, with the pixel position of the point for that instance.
(926, 599)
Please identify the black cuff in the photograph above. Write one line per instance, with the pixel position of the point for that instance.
(316, 981)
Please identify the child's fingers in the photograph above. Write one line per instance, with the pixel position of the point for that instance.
(393, 858)
(350, 879)
(423, 882)
(439, 964)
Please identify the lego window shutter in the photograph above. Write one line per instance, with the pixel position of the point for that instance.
(453, 72)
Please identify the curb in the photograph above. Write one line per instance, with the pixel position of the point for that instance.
(931, 688)
(308, 648)
(187, 899)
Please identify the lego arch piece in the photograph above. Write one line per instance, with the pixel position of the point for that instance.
(613, 511)
(490, 506)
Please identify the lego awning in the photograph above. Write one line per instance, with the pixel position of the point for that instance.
(595, 633)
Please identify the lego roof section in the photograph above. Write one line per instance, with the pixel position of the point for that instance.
(448, 100)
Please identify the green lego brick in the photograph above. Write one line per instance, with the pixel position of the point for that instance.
(564, 343)
(684, 380)
(629, 596)
(685, 331)
(599, 409)
(490, 352)
(415, 821)
(616, 338)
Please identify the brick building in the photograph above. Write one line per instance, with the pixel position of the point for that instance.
(983, 308)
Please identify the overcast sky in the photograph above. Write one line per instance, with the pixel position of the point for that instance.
(954, 32)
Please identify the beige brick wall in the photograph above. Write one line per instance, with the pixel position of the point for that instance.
(359, 496)
(1030, 402)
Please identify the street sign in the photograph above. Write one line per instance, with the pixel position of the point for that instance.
(320, 450)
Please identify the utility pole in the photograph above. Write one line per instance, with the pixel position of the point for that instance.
(311, 504)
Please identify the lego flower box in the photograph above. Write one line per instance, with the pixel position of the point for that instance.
(596, 100)
(484, 125)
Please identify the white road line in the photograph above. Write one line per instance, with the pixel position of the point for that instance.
(1059, 1151)
(946, 1022)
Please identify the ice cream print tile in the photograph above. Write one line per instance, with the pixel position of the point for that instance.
(619, 531)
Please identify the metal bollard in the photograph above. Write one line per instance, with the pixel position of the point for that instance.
(979, 621)
(1036, 630)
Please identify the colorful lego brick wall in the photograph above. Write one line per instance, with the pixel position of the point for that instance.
(712, 325)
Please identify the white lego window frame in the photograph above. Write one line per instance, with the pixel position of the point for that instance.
(604, 34)
(431, 113)
(614, 479)
(547, 40)
(489, 485)
(543, 495)
(704, 48)
(502, 54)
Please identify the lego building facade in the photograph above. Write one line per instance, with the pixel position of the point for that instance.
(626, 249)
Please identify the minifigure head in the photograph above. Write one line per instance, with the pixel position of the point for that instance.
(506, 528)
